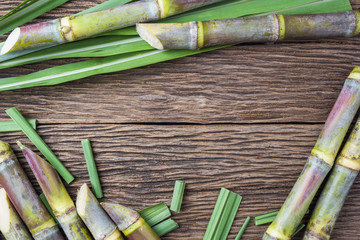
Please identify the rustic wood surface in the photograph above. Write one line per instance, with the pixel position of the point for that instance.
(244, 118)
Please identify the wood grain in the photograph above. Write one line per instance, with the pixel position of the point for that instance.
(244, 118)
(138, 165)
(286, 82)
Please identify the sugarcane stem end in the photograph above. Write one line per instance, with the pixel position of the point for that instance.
(148, 36)
(81, 200)
(4, 212)
(10, 41)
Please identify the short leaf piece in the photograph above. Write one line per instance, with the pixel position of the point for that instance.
(177, 196)
(91, 166)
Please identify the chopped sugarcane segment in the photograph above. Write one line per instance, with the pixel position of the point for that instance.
(271, 28)
(24, 198)
(76, 27)
(11, 226)
(319, 162)
(130, 222)
(333, 196)
(94, 216)
(56, 196)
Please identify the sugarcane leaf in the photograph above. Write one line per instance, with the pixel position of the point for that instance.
(226, 9)
(105, 5)
(120, 62)
(17, 8)
(234, 9)
(27, 12)
(73, 71)
(97, 47)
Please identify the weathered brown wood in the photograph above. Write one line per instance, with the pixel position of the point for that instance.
(138, 165)
(279, 93)
(288, 82)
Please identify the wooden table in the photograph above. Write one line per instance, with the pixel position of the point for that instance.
(245, 118)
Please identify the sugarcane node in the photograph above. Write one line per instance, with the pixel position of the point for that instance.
(6, 153)
(310, 235)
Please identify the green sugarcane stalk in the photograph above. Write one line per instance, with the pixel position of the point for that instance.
(82, 26)
(11, 225)
(319, 162)
(271, 28)
(94, 216)
(333, 196)
(130, 222)
(57, 196)
(24, 198)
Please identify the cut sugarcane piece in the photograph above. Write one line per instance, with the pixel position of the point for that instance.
(11, 225)
(24, 198)
(271, 28)
(319, 162)
(95, 218)
(56, 194)
(82, 26)
(130, 222)
(333, 196)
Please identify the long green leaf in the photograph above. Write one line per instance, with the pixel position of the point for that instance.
(234, 9)
(73, 71)
(16, 9)
(115, 63)
(28, 12)
(101, 47)
(105, 46)
(105, 5)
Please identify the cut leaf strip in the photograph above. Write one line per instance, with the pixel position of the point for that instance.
(27, 12)
(177, 196)
(91, 166)
(39, 143)
(300, 227)
(155, 214)
(11, 126)
(243, 228)
(165, 227)
(223, 215)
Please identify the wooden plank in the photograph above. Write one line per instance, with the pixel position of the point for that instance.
(138, 165)
(209, 88)
(279, 83)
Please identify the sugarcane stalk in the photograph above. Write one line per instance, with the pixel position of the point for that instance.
(57, 196)
(133, 226)
(95, 218)
(24, 198)
(333, 196)
(11, 225)
(271, 28)
(82, 26)
(319, 162)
